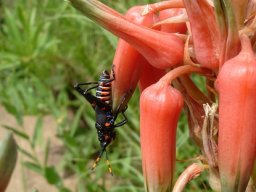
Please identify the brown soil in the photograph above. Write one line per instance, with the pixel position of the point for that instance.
(24, 180)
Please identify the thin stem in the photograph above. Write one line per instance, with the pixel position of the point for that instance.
(191, 172)
(155, 7)
(97, 4)
(116, 24)
(193, 91)
(182, 18)
(208, 134)
(182, 70)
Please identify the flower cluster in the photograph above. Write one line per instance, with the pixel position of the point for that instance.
(160, 45)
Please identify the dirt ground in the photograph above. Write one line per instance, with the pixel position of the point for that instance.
(24, 180)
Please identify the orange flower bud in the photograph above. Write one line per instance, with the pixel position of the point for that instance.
(160, 107)
(237, 119)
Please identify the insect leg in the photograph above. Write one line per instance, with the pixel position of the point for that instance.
(113, 76)
(82, 84)
(116, 112)
(122, 122)
(79, 89)
(87, 90)
(88, 96)
(110, 80)
(113, 72)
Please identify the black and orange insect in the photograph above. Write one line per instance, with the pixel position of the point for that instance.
(105, 118)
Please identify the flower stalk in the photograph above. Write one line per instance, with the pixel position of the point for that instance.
(191, 172)
(163, 5)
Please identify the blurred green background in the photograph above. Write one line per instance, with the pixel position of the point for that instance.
(45, 47)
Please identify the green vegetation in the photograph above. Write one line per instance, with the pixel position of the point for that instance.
(45, 47)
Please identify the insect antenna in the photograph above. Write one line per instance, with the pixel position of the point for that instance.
(108, 163)
(98, 159)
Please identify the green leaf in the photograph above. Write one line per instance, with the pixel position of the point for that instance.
(76, 120)
(52, 176)
(27, 154)
(46, 151)
(110, 37)
(37, 136)
(34, 167)
(17, 132)
(8, 61)
(64, 190)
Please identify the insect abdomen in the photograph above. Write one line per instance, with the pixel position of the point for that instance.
(103, 91)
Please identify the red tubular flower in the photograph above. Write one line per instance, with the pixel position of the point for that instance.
(162, 50)
(237, 119)
(205, 33)
(159, 6)
(150, 75)
(128, 61)
(160, 107)
(172, 27)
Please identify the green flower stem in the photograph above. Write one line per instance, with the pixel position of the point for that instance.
(193, 90)
(221, 20)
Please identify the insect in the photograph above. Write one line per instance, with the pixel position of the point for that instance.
(105, 118)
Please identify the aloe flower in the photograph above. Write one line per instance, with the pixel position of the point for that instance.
(160, 107)
(237, 119)
(221, 120)
(205, 33)
(128, 62)
(162, 50)
(149, 75)
(172, 27)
